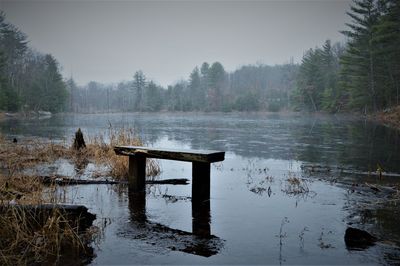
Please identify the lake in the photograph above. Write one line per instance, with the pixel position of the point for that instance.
(256, 216)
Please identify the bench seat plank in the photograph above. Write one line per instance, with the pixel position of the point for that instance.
(204, 156)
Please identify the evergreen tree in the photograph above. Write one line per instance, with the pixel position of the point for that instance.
(48, 91)
(8, 98)
(387, 41)
(197, 95)
(204, 82)
(310, 81)
(217, 78)
(72, 89)
(359, 60)
(139, 83)
(153, 97)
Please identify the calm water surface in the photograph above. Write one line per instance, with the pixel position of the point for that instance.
(254, 219)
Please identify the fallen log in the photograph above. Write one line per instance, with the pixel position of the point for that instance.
(340, 170)
(77, 216)
(65, 181)
(177, 181)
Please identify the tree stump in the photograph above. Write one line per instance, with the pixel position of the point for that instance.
(79, 142)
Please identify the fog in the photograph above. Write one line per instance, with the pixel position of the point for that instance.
(108, 41)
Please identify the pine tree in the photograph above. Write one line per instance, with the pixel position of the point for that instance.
(197, 95)
(139, 83)
(153, 97)
(387, 41)
(310, 81)
(217, 77)
(359, 60)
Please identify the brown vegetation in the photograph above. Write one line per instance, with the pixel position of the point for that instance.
(295, 185)
(102, 152)
(99, 149)
(25, 240)
(22, 243)
(390, 117)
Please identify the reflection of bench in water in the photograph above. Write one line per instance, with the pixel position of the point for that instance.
(200, 242)
(163, 237)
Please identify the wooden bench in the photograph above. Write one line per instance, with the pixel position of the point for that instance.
(201, 161)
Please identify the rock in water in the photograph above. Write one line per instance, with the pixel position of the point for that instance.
(79, 142)
(358, 239)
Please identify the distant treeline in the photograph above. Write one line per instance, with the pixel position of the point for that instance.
(210, 88)
(361, 75)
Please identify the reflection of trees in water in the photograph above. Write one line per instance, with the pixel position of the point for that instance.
(49, 127)
(356, 144)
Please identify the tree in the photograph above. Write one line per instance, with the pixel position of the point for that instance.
(48, 92)
(387, 41)
(153, 97)
(13, 45)
(72, 89)
(197, 95)
(359, 60)
(139, 83)
(217, 78)
(8, 98)
(310, 82)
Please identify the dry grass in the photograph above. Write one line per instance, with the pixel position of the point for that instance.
(100, 149)
(24, 189)
(26, 240)
(15, 157)
(295, 185)
(18, 156)
(23, 240)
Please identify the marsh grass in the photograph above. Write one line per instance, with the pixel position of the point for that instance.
(295, 185)
(24, 239)
(100, 149)
(16, 157)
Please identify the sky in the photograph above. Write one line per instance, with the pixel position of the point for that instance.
(108, 41)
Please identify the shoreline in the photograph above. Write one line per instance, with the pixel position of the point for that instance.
(389, 117)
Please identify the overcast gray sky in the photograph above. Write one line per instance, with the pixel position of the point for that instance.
(107, 41)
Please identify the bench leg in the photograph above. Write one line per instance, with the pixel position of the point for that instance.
(137, 173)
(200, 182)
(201, 199)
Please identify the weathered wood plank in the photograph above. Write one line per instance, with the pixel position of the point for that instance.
(205, 156)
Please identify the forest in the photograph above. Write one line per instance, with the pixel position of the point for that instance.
(360, 75)
(29, 80)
